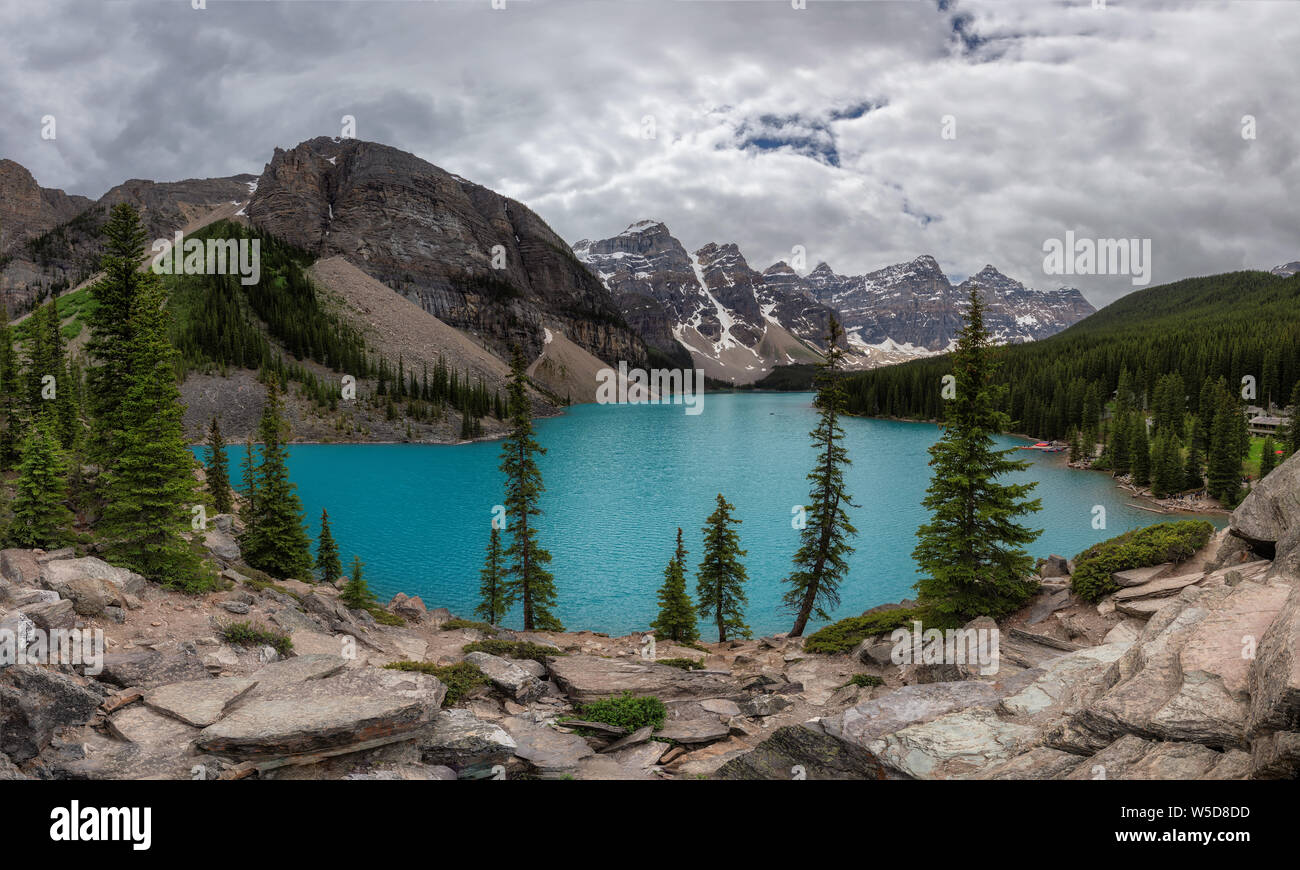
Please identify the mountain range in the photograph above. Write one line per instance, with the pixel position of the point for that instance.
(738, 324)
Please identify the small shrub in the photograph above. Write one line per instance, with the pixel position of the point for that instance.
(1139, 548)
(843, 636)
(452, 624)
(626, 711)
(865, 680)
(460, 679)
(512, 649)
(253, 634)
(384, 617)
(684, 664)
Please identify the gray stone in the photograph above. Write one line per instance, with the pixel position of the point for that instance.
(508, 677)
(235, 607)
(301, 721)
(1139, 576)
(35, 703)
(690, 732)
(1272, 508)
(19, 567)
(764, 705)
(958, 745)
(463, 742)
(802, 752)
(589, 678)
(550, 753)
(906, 706)
(199, 702)
(56, 574)
(145, 669)
(1055, 566)
(51, 615)
(1275, 679)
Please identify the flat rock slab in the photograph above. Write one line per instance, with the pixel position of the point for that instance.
(1132, 757)
(643, 755)
(637, 737)
(1138, 576)
(590, 678)
(199, 702)
(551, 753)
(145, 669)
(299, 669)
(1047, 606)
(508, 677)
(689, 732)
(1067, 681)
(149, 728)
(1142, 608)
(1161, 588)
(353, 710)
(907, 706)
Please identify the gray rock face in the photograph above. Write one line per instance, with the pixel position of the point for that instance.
(35, 702)
(1275, 679)
(909, 705)
(1272, 509)
(430, 235)
(803, 752)
(198, 703)
(91, 584)
(550, 753)
(145, 669)
(463, 742)
(957, 745)
(352, 710)
(508, 677)
(589, 678)
(19, 567)
(1132, 757)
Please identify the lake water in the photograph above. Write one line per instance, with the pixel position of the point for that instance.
(621, 479)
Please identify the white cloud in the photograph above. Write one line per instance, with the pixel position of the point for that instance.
(1123, 122)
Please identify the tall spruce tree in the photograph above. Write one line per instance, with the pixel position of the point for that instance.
(1267, 456)
(971, 552)
(720, 577)
(527, 580)
(1293, 430)
(1193, 477)
(821, 561)
(1140, 445)
(218, 471)
(110, 324)
(676, 620)
(1224, 466)
(40, 517)
(328, 568)
(10, 396)
(149, 488)
(491, 588)
(275, 540)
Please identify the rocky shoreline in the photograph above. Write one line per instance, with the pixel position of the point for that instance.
(1189, 671)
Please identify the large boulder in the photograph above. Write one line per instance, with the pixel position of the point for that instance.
(60, 572)
(1132, 757)
(1272, 508)
(803, 752)
(909, 705)
(304, 721)
(508, 677)
(144, 669)
(590, 678)
(1275, 678)
(19, 567)
(35, 703)
(471, 746)
(960, 744)
(198, 703)
(551, 754)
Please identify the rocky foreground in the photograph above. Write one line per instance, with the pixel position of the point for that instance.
(1190, 671)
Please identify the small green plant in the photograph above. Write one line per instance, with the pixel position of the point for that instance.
(384, 617)
(460, 679)
(626, 711)
(843, 636)
(865, 680)
(684, 664)
(453, 624)
(253, 634)
(1139, 548)
(512, 649)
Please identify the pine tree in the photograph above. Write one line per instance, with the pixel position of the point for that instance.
(676, 620)
(275, 540)
(248, 476)
(40, 518)
(1293, 432)
(1168, 471)
(327, 552)
(720, 577)
(10, 396)
(110, 325)
(1140, 445)
(149, 487)
(1224, 467)
(1120, 452)
(971, 551)
(1192, 470)
(527, 580)
(1267, 457)
(218, 473)
(821, 561)
(492, 604)
(356, 593)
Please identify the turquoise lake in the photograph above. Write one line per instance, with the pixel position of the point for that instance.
(621, 479)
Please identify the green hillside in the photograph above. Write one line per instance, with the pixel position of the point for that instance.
(1222, 326)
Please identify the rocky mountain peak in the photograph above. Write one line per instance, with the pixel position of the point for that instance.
(27, 210)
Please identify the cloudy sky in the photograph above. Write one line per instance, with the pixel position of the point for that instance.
(751, 122)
